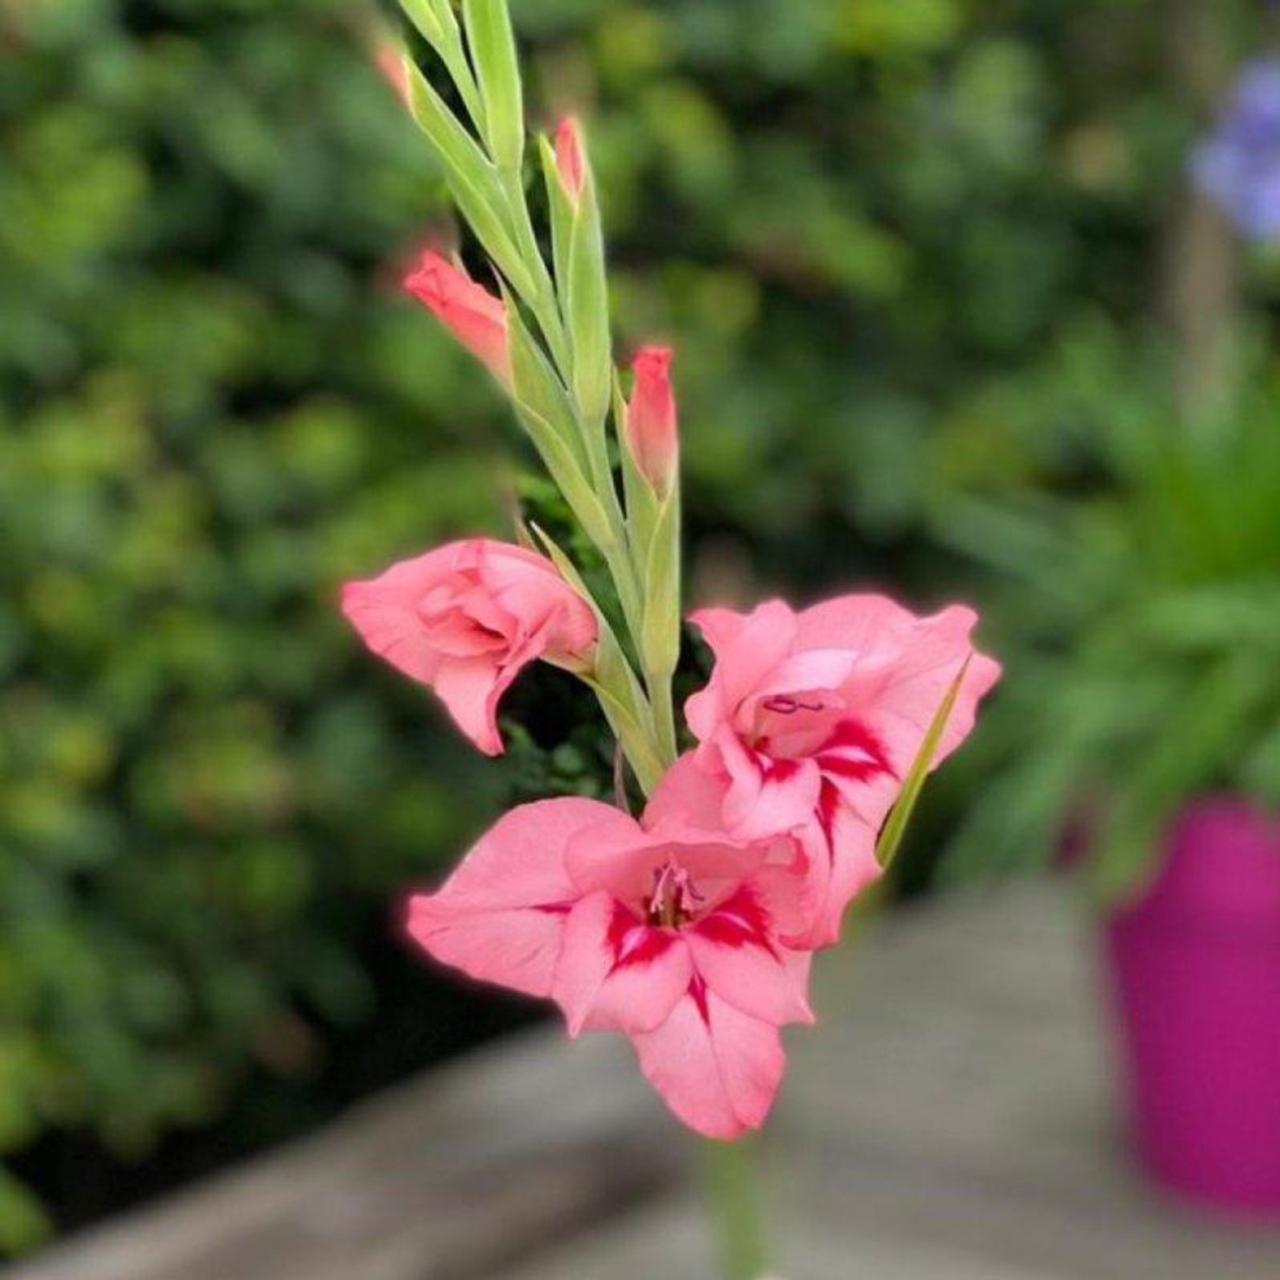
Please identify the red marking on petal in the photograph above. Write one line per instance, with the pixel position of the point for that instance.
(779, 769)
(555, 908)
(737, 922)
(787, 706)
(634, 942)
(698, 990)
(828, 804)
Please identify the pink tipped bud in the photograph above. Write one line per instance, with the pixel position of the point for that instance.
(570, 157)
(652, 432)
(474, 316)
(389, 57)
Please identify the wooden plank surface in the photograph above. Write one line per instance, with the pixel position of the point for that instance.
(952, 1118)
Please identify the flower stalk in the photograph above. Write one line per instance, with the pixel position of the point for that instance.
(689, 927)
(562, 375)
(731, 1172)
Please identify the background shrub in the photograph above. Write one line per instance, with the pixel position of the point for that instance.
(860, 220)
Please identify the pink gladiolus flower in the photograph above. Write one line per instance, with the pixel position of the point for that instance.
(652, 430)
(465, 618)
(570, 157)
(475, 317)
(664, 930)
(811, 722)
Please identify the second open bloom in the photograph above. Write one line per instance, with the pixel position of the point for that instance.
(812, 720)
(661, 929)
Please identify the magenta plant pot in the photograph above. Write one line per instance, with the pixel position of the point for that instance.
(1196, 969)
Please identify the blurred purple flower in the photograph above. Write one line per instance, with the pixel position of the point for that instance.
(1238, 163)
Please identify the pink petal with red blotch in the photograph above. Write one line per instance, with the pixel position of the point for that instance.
(617, 973)
(740, 961)
(718, 1069)
(766, 796)
(909, 666)
(842, 863)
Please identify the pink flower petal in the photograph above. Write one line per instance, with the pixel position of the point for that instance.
(470, 689)
(515, 948)
(766, 796)
(465, 618)
(687, 793)
(718, 1069)
(500, 917)
(758, 646)
(475, 316)
(617, 973)
(652, 432)
(842, 864)
(896, 694)
(614, 854)
(735, 954)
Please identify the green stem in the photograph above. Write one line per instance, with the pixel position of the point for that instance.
(735, 1211)
(664, 716)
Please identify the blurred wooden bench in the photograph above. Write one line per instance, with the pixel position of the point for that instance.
(951, 1118)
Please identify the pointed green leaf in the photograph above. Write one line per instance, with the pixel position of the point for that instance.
(439, 28)
(563, 468)
(660, 638)
(493, 51)
(561, 215)
(588, 310)
(433, 18)
(895, 828)
(473, 181)
(643, 506)
(538, 386)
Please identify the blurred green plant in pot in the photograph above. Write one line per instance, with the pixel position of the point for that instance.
(1142, 593)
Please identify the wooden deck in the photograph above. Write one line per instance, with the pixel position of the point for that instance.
(950, 1119)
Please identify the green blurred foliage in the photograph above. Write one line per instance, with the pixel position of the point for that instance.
(214, 410)
(1140, 596)
(862, 222)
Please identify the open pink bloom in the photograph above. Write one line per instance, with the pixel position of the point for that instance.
(475, 317)
(652, 427)
(570, 157)
(812, 720)
(661, 929)
(465, 618)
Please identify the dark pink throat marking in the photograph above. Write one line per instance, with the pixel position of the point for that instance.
(785, 706)
(854, 752)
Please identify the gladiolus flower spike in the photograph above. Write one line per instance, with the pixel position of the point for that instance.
(690, 930)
